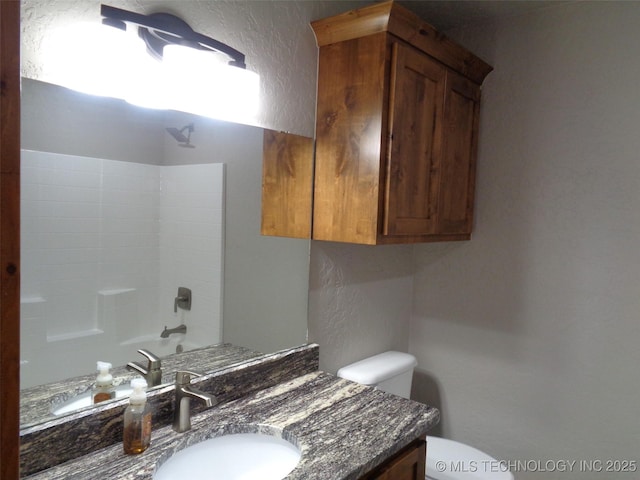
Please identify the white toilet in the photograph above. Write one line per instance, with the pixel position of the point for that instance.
(392, 372)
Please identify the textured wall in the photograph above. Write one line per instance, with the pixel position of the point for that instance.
(275, 36)
(359, 300)
(527, 336)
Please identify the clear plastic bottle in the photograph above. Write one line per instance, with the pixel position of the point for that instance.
(137, 420)
(104, 389)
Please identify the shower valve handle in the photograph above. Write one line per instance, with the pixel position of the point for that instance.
(183, 300)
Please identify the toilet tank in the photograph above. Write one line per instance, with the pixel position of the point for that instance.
(390, 372)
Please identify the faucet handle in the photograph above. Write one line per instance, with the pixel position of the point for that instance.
(183, 377)
(154, 360)
(183, 300)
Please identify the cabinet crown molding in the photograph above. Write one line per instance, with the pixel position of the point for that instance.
(393, 18)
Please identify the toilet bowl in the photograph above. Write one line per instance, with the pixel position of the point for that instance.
(392, 372)
(451, 460)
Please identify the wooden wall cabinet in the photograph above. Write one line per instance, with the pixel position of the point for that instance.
(396, 131)
(287, 180)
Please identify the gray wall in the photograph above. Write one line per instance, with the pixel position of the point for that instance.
(59, 120)
(359, 300)
(527, 336)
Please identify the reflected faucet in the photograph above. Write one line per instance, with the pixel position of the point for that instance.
(168, 331)
(184, 394)
(152, 373)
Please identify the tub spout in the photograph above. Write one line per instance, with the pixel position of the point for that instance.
(168, 331)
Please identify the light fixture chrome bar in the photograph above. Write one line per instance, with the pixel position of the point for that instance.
(161, 29)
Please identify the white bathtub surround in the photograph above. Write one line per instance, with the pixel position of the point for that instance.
(116, 308)
(192, 246)
(104, 256)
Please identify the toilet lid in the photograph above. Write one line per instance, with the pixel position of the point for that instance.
(451, 460)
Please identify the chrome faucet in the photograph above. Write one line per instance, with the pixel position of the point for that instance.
(153, 371)
(184, 394)
(168, 331)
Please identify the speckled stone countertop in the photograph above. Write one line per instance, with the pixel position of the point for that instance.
(62, 439)
(37, 403)
(343, 429)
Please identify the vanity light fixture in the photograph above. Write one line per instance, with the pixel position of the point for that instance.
(161, 29)
(154, 61)
(197, 74)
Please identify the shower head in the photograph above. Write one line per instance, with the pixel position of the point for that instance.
(177, 134)
(182, 139)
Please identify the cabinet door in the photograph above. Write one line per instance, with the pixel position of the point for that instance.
(347, 174)
(460, 140)
(407, 465)
(416, 106)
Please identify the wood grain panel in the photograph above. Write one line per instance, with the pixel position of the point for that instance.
(9, 237)
(287, 180)
(395, 19)
(406, 25)
(416, 107)
(396, 130)
(462, 105)
(353, 24)
(408, 464)
(351, 98)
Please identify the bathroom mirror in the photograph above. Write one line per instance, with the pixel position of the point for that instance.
(191, 204)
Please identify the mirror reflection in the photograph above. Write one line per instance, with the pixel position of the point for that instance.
(128, 228)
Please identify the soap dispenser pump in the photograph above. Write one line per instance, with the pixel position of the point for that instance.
(137, 419)
(104, 389)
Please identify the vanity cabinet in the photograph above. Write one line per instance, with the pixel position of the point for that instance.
(408, 464)
(396, 129)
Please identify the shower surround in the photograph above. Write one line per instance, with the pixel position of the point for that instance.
(105, 246)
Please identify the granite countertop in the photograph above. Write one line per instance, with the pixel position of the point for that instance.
(343, 429)
(37, 403)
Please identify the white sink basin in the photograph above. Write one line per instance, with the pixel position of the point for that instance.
(84, 400)
(241, 456)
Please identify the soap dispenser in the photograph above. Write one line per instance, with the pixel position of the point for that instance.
(104, 389)
(137, 419)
